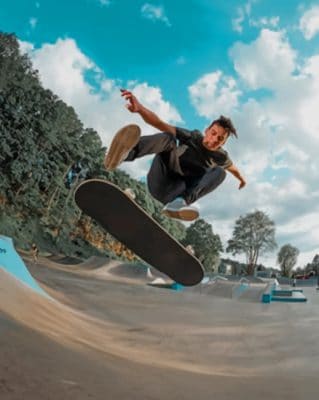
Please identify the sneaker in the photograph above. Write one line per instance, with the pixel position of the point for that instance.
(180, 210)
(123, 142)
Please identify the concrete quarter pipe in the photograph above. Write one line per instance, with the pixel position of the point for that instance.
(11, 262)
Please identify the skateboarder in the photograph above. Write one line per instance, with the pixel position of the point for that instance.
(187, 165)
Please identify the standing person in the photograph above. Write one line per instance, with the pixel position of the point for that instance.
(187, 165)
(34, 253)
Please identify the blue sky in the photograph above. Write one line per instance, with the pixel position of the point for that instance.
(170, 51)
(130, 46)
(189, 61)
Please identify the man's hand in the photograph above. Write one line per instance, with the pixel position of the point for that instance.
(242, 183)
(234, 170)
(148, 116)
(133, 104)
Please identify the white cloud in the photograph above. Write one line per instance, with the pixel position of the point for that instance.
(262, 22)
(289, 116)
(154, 13)
(214, 94)
(257, 63)
(25, 47)
(243, 12)
(237, 22)
(309, 22)
(277, 146)
(62, 67)
(105, 2)
(33, 22)
(152, 98)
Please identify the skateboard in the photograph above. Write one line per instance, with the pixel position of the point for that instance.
(127, 222)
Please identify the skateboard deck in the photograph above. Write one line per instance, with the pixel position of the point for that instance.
(127, 222)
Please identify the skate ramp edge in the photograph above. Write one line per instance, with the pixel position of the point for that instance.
(11, 262)
(274, 292)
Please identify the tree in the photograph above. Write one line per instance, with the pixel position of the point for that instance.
(287, 259)
(315, 263)
(313, 266)
(253, 235)
(43, 143)
(204, 242)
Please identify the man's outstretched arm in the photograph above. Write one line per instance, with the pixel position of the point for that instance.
(235, 171)
(148, 116)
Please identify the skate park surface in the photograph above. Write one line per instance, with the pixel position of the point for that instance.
(102, 332)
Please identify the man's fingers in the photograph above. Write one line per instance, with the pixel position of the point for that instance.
(126, 93)
(129, 107)
(128, 96)
(242, 185)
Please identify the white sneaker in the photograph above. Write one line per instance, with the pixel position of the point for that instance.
(123, 142)
(180, 210)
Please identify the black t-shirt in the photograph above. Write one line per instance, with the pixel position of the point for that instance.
(194, 158)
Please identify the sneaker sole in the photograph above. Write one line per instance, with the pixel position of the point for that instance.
(124, 141)
(185, 215)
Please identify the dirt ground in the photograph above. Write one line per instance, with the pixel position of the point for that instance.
(106, 334)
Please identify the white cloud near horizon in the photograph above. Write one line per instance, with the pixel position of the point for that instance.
(309, 22)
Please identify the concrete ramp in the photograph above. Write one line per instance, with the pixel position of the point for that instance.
(13, 263)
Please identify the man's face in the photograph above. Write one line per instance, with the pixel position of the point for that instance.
(215, 136)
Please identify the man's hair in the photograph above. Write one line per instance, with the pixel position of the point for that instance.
(227, 124)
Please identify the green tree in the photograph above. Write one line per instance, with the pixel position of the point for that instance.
(315, 263)
(287, 259)
(41, 139)
(204, 242)
(313, 266)
(253, 235)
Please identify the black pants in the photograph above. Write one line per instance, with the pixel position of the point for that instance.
(165, 179)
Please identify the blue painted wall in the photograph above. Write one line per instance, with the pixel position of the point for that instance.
(13, 263)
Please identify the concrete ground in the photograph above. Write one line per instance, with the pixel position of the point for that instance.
(105, 334)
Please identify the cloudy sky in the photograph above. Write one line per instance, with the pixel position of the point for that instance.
(190, 61)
